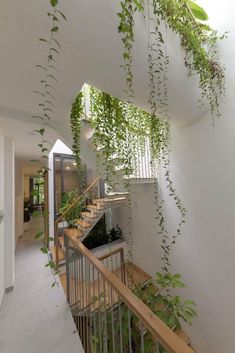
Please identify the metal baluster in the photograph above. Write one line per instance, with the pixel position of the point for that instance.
(105, 315)
(157, 347)
(112, 317)
(67, 268)
(82, 302)
(129, 329)
(142, 338)
(120, 324)
(87, 304)
(90, 304)
(99, 311)
(116, 265)
(94, 309)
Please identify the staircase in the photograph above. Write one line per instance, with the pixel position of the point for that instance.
(94, 210)
(119, 177)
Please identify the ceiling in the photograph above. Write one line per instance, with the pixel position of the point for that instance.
(91, 52)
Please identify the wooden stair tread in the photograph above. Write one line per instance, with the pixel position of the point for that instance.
(61, 255)
(110, 199)
(136, 275)
(83, 224)
(183, 335)
(94, 207)
(85, 293)
(73, 232)
(151, 288)
(89, 215)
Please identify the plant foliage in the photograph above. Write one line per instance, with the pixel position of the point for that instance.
(184, 17)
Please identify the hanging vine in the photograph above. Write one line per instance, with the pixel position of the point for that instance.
(48, 81)
(197, 39)
(46, 102)
(199, 43)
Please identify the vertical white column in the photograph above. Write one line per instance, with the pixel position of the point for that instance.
(2, 287)
(9, 210)
(19, 200)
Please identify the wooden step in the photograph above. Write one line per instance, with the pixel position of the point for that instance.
(73, 232)
(83, 224)
(94, 207)
(150, 288)
(89, 215)
(61, 255)
(183, 335)
(136, 276)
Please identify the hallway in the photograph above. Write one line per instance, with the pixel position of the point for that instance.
(35, 318)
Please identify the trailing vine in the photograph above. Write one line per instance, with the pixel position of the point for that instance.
(197, 39)
(184, 17)
(75, 122)
(48, 81)
(46, 96)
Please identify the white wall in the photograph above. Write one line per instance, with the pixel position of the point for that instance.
(19, 200)
(1, 223)
(203, 165)
(9, 209)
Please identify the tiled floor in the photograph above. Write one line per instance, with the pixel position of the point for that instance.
(35, 318)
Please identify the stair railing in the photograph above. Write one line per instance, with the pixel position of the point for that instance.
(109, 317)
(114, 261)
(61, 218)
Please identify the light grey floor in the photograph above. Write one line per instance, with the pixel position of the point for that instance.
(35, 318)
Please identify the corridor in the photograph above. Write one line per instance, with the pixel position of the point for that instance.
(35, 318)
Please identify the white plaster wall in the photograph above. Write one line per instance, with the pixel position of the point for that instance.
(203, 166)
(1, 223)
(9, 208)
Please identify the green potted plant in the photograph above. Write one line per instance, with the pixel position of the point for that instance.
(72, 215)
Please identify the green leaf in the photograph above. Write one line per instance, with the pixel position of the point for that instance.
(41, 67)
(40, 93)
(40, 131)
(44, 250)
(55, 29)
(44, 40)
(38, 235)
(56, 41)
(51, 264)
(54, 2)
(51, 76)
(198, 12)
(53, 284)
(55, 50)
(51, 239)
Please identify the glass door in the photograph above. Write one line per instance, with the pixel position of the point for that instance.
(66, 178)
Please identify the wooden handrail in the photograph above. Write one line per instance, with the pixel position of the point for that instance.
(111, 253)
(160, 331)
(76, 201)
